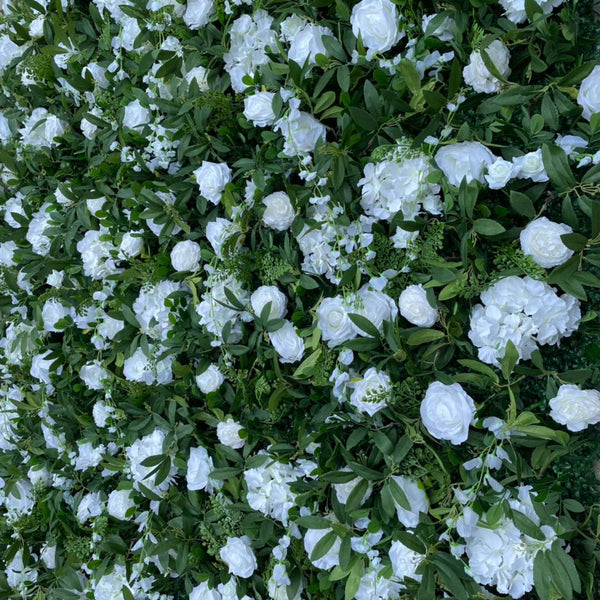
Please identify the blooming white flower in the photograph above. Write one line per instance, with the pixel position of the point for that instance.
(120, 503)
(131, 245)
(279, 212)
(531, 166)
(237, 554)
(541, 240)
(301, 131)
(200, 75)
(199, 468)
(588, 96)
(405, 561)
(331, 558)
(265, 294)
(212, 179)
(138, 452)
(371, 392)
(575, 408)
(334, 322)
(94, 375)
(415, 307)
(228, 432)
(447, 411)
(136, 116)
(287, 343)
(306, 44)
(198, 13)
(500, 172)
(464, 160)
(210, 379)
(258, 109)
(185, 256)
(377, 23)
(417, 500)
(477, 75)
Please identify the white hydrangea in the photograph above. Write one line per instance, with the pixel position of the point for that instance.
(151, 310)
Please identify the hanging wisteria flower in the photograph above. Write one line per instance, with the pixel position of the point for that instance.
(212, 179)
(447, 411)
(575, 408)
(377, 23)
(541, 240)
(415, 307)
(479, 77)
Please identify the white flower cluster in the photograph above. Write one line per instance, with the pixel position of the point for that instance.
(515, 9)
(527, 312)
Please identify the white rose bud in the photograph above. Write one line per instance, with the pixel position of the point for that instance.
(265, 294)
(185, 256)
(415, 307)
(198, 13)
(377, 24)
(136, 116)
(464, 160)
(477, 75)
(589, 94)
(279, 213)
(212, 179)
(210, 380)
(541, 240)
(119, 503)
(531, 166)
(237, 554)
(499, 173)
(287, 343)
(258, 109)
(575, 408)
(447, 411)
(228, 432)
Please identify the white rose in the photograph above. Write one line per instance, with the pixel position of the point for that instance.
(198, 13)
(499, 173)
(477, 75)
(210, 380)
(204, 592)
(199, 467)
(131, 244)
(541, 240)
(258, 109)
(376, 22)
(589, 94)
(199, 74)
(98, 74)
(575, 408)
(279, 212)
(265, 294)
(93, 375)
(445, 31)
(417, 500)
(136, 116)
(119, 503)
(415, 307)
(331, 558)
(228, 432)
(306, 44)
(52, 312)
(137, 368)
(370, 393)
(287, 343)
(212, 179)
(334, 322)
(531, 166)
(570, 144)
(447, 411)
(237, 554)
(464, 160)
(301, 131)
(185, 256)
(405, 561)
(377, 307)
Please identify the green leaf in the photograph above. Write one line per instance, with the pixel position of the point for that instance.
(524, 524)
(399, 495)
(410, 75)
(550, 112)
(542, 577)
(343, 78)
(372, 101)
(364, 324)
(488, 227)
(307, 367)
(511, 356)
(577, 74)
(362, 118)
(558, 168)
(522, 204)
(365, 472)
(424, 336)
(323, 545)
(574, 241)
(334, 48)
(325, 101)
(353, 581)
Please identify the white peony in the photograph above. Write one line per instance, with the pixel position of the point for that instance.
(371, 392)
(258, 109)
(228, 432)
(198, 13)
(210, 380)
(237, 554)
(415, 307)
(575, 408)
(265, 294)
(136, 116)
(541, 240)
(287, 343)
(94, 375)
(377, 23)
(500, 172)
(185, 256)
(119, 504)
(464, 160)
(477, 75)
(447, 411)
(279, 212)
(212, 179)
(589, 94)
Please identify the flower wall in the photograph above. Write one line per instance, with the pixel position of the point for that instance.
(299, 299)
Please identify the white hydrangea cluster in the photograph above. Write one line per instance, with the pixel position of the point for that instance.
(151, 309)
(527, 312)
(399, 183)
